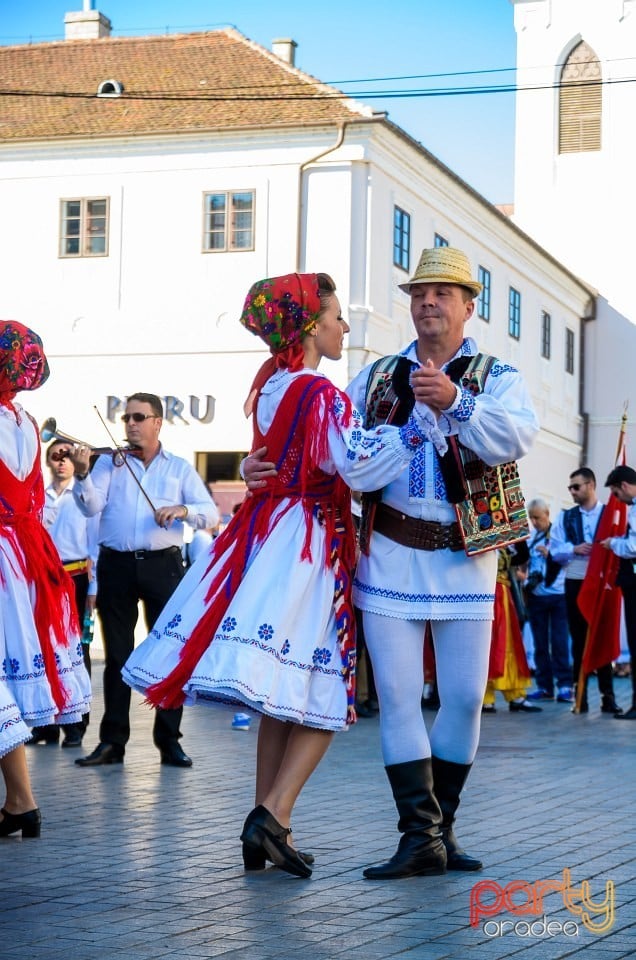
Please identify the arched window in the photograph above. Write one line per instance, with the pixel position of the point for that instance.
(580, 101)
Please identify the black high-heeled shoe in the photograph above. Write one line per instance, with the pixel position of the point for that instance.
(265, 835)
(28, 823)
(254, 859)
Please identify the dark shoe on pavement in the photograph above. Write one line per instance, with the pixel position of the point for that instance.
(265, 836)
(48, 734)
(609, 705)
(489, 708)
(362, 710)
(26, 823)
(173, 756)
(103, 754)
(73, 738)
(628, 715)
(540, 695)
(522, 706)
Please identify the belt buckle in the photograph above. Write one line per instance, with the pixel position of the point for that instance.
(140, 554)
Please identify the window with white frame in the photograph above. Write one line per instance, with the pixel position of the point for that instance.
(228, 221)
(440, 241)
(401, 239)
(483, 301)
(569, 350)
(546, 334)
(514, 313)
(84, 227)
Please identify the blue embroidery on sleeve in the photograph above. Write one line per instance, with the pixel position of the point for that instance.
(464, 410)
(498, 368)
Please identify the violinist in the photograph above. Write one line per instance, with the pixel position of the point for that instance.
(143, 508)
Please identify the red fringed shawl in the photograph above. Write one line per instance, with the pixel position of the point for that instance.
(297, 442)
(21, 504)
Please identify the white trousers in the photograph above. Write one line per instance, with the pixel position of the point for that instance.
(462, 651)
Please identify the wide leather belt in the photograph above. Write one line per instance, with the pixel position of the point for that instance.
(414, 533)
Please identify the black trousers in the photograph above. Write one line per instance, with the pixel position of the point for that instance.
(578, 631)
(628, 590)
(123, 580)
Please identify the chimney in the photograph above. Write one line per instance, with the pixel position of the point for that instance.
(285, 49)
(87, 24)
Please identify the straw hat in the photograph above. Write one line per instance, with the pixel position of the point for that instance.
(443, 265)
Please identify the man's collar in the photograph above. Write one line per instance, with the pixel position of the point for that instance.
(468, 348)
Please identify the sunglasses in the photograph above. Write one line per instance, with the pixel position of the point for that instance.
(138, 417)
(577, 486)
(58, 455)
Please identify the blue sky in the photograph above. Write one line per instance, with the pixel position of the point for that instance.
(362, 47)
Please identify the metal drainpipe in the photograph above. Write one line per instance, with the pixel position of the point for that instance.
(585, 439)
(342, 126)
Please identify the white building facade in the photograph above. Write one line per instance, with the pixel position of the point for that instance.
(154, 305)
(575, 190)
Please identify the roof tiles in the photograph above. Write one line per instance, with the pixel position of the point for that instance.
(211, 81)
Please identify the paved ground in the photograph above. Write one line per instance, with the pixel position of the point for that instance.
(142, 862)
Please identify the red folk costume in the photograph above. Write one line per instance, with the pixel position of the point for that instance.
(265, 618)
(42, 675)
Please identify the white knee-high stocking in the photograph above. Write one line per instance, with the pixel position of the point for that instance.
(462, 649)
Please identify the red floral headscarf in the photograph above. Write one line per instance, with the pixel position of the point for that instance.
(281, 311)
(23, 365)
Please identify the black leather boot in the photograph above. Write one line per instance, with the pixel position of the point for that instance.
(420, 851)
(448, 782)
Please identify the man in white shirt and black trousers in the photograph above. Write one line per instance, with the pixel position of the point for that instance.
(140, 559)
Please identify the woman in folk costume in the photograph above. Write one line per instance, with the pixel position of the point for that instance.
(264, 618)
(42, 674)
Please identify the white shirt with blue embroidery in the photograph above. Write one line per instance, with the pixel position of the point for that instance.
(499, 425)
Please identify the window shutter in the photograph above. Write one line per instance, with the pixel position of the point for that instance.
(580, 102)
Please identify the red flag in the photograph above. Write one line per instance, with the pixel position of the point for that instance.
(600, 599)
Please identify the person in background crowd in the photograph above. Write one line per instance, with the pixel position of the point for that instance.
(622, 483)
(144, 504)
(509, 671)
(572, 536)
(76, 540)
(42, 674)
(547, 611)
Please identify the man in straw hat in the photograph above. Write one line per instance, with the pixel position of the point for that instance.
(429, 543)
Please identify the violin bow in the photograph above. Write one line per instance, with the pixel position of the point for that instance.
(122, 454)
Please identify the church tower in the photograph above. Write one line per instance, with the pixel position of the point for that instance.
(575, 140)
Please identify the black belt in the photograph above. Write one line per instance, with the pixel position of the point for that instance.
(140, 554)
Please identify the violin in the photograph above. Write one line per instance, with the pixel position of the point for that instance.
(118, 454)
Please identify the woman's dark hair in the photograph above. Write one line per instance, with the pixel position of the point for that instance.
(326, 289)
